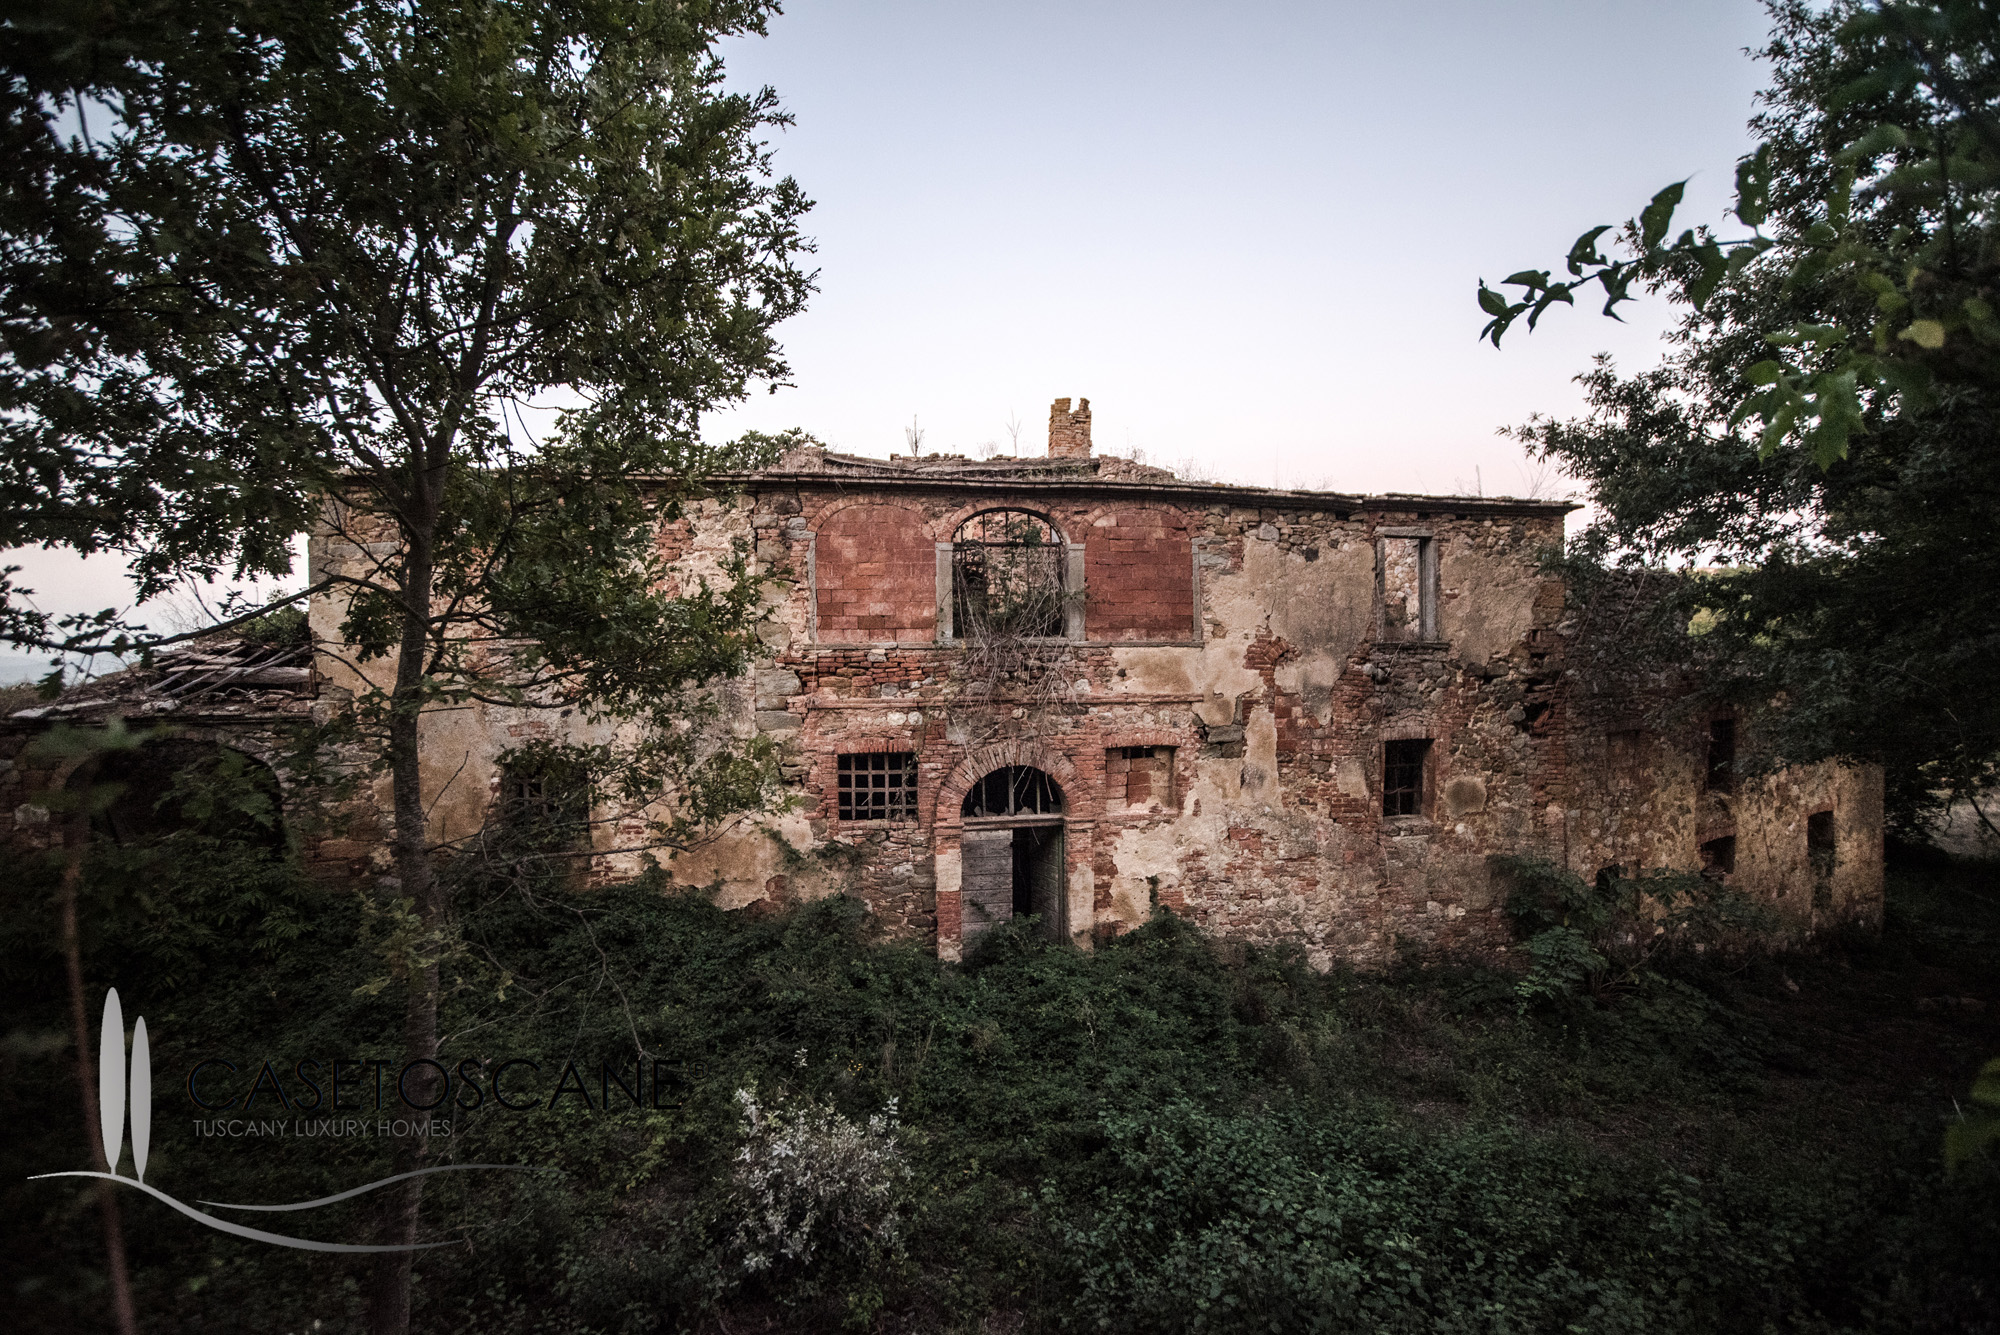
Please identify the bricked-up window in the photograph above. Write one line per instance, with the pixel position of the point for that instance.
(874, 576)
(1403, 776)
(1139, 568)
(1719, 775)
(1139, 777)
(1007, 577)
(878, 785)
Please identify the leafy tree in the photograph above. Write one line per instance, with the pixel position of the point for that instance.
(457, 280)
(1821, 427)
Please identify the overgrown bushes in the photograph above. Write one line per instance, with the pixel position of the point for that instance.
(1164, 1134)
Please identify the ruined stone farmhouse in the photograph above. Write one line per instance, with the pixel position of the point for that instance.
(1081, 688)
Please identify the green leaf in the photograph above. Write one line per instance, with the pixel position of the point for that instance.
(1532, 279)
(1977, 1130)
(1585, 251)
(1753, 187)
(1878, 140)
(1927, 334)
(1840, 199)
(1659, 215)
(1713, 269)
(1492, 302)
(1765, 373)
(1777, 426)
(1615, 281)
(1560, 292)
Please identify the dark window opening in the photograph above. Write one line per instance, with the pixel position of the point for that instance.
(1139, 776)
(544, 801)
(1608, 878)
(878, 785)
(1007, 577)
(1017, 790)
(1718, 857)
(170, 785)
(1720, 775)
(1820, 846)
(1403, 777)
(525, 799)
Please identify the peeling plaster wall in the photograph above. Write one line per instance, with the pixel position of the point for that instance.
(1276, 699)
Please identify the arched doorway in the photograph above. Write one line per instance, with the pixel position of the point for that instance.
(1012, 852)
(176, 783)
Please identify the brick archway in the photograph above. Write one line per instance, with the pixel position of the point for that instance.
(946, 526)
(998, 755)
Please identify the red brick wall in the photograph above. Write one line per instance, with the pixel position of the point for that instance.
(1139, 572)
(876, 575)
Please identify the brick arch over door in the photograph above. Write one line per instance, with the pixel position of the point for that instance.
(1139, 571)
(984, 760)
(874, 576)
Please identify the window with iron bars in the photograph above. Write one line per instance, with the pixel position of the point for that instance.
(878, 785)
(1007, 576)
(1015, 790)
(1403, 777)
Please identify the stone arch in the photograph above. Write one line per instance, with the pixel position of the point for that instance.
(947, 525)
(145, 776)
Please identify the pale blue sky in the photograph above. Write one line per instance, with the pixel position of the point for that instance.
(1249, 233)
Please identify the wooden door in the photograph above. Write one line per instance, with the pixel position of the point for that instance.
(986, 861)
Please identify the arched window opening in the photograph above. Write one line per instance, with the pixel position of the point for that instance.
(1017, 790)
(1007, 576)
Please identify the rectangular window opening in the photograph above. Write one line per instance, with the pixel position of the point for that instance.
(1408, 578)
(1403, 776)
(544, 804)
(1720, 773)
(1718, 857)
(1820, 844)
(878, 785)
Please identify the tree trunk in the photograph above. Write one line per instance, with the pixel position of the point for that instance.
(389, 1290)
(76, 836)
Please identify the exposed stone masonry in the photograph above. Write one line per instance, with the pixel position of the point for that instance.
(1241, 643)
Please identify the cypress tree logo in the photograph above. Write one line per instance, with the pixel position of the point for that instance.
(120, 1095)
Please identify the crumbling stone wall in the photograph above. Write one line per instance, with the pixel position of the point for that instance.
(1238, 641)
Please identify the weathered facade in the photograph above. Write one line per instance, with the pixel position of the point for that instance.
(1081, 688)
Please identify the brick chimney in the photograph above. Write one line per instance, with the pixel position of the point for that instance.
(1069, 432)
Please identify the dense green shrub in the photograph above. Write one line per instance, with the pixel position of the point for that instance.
(1164, 1134)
